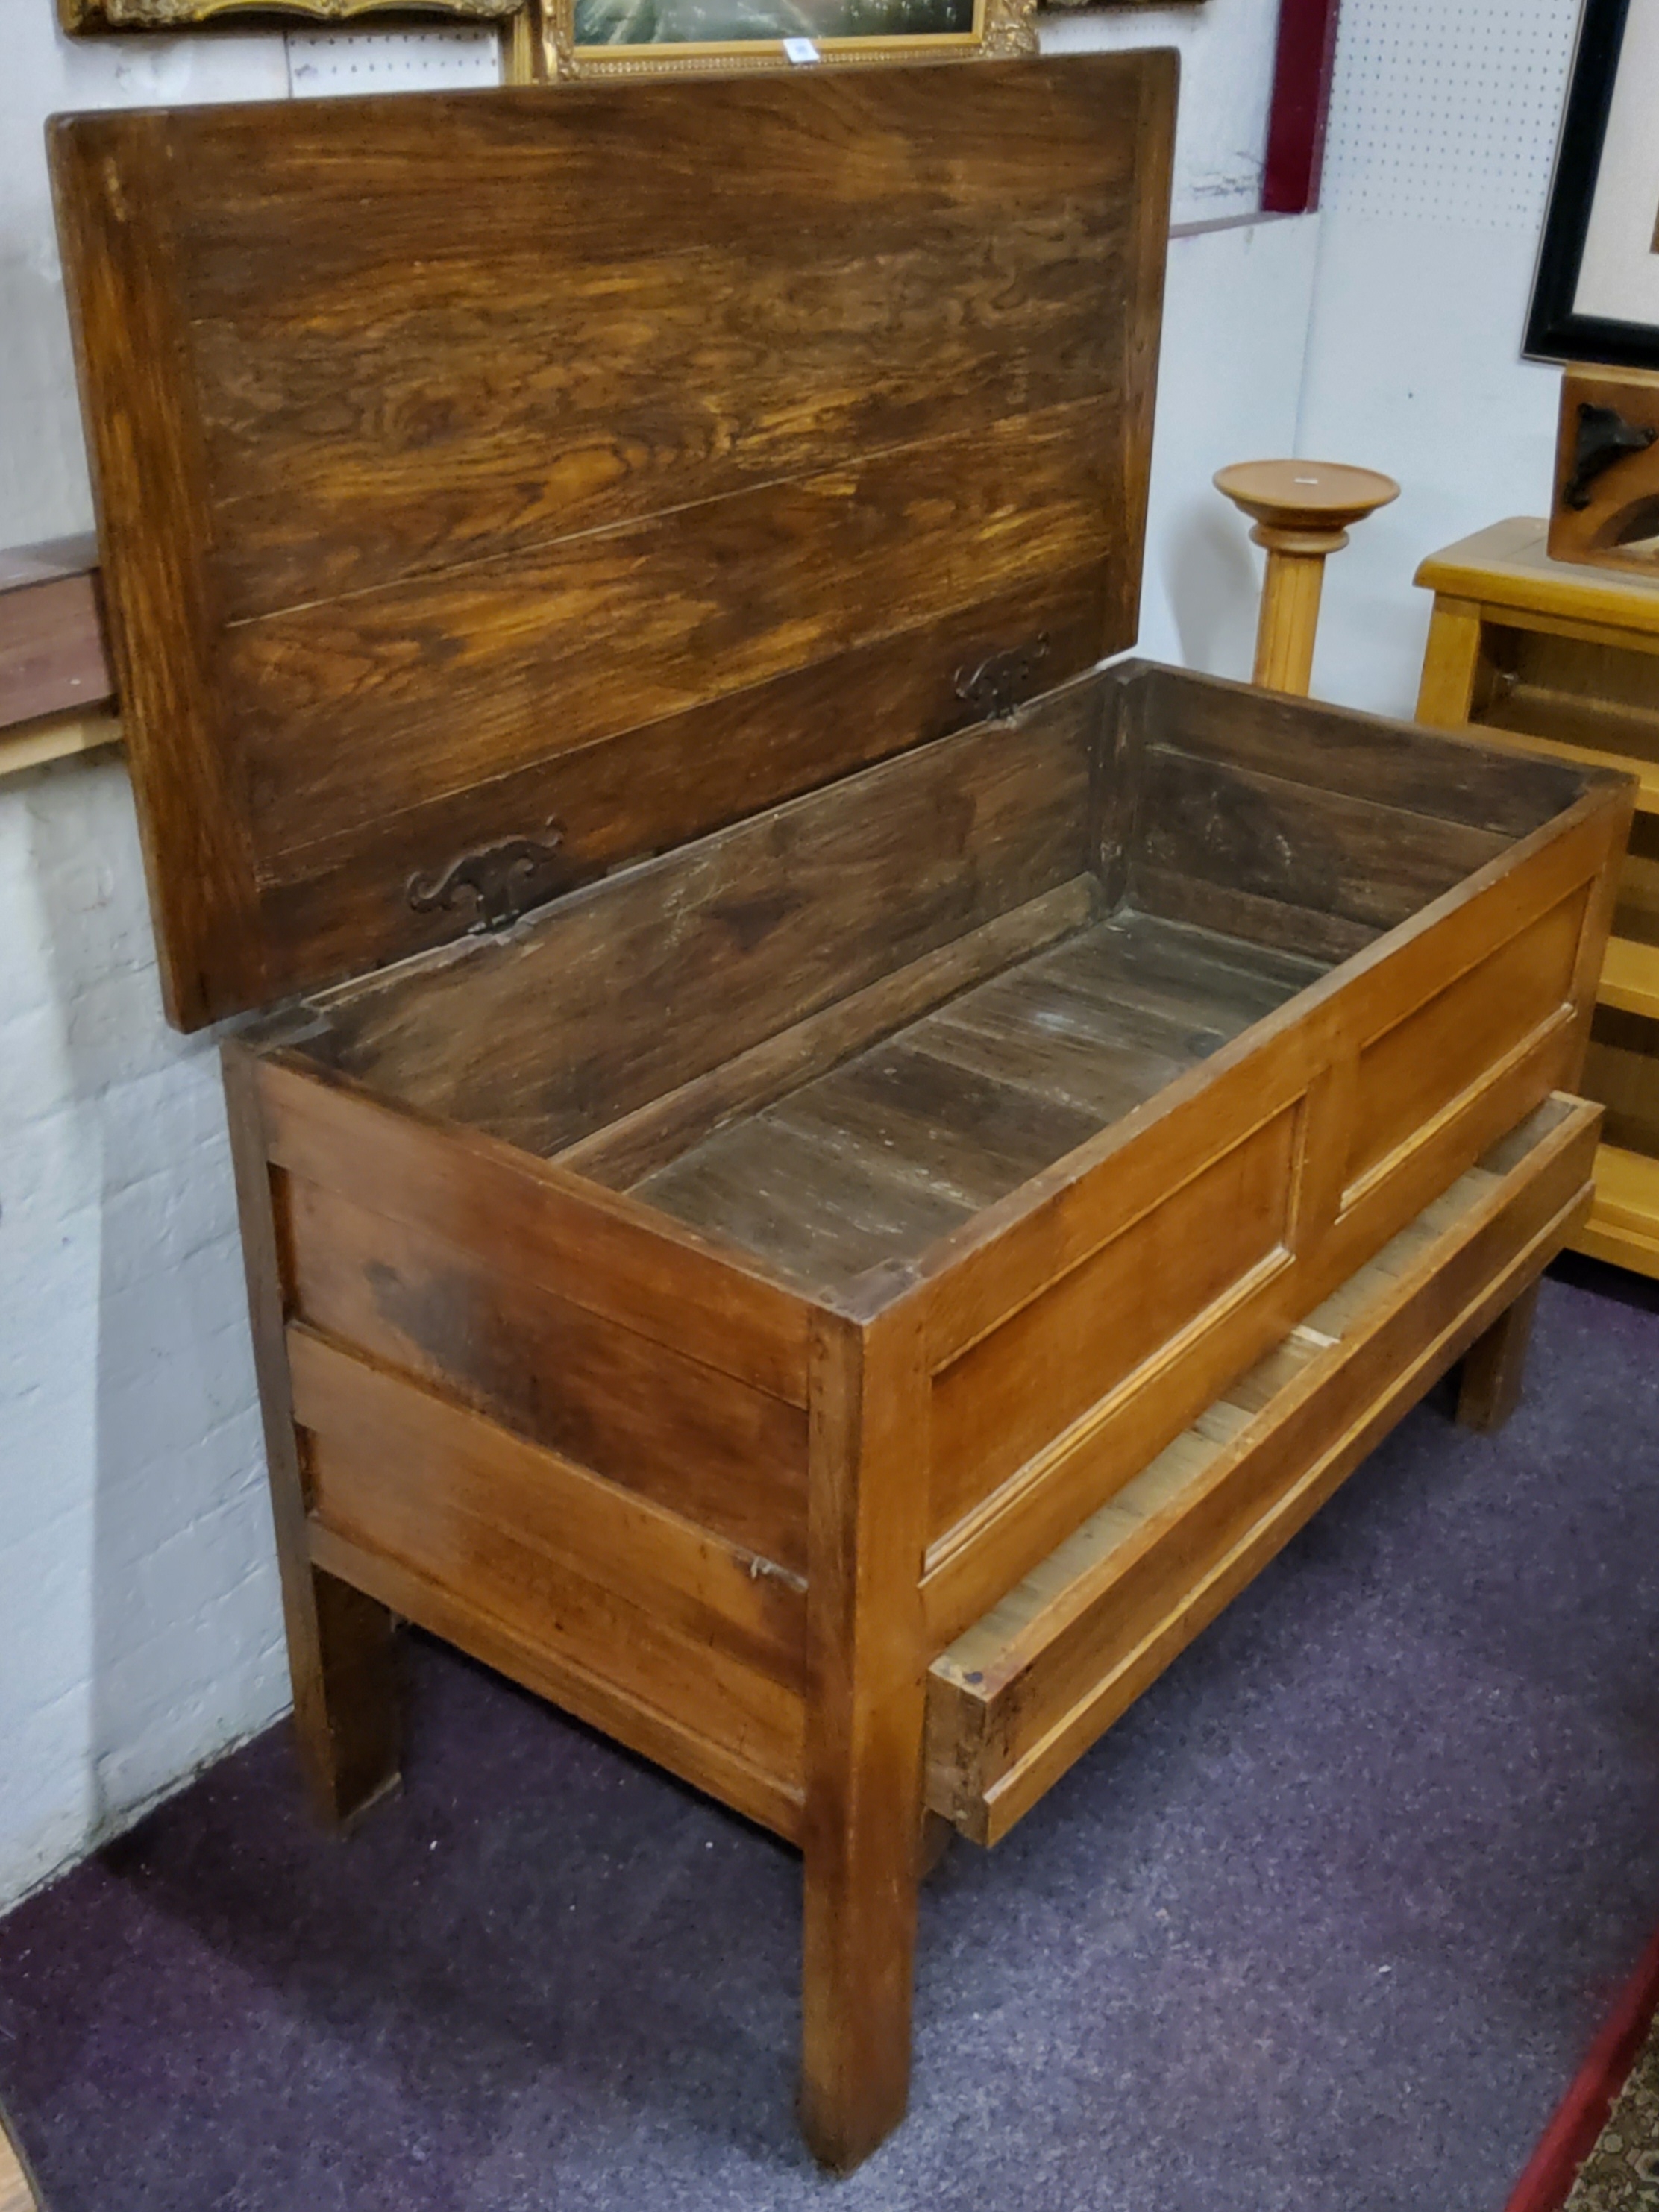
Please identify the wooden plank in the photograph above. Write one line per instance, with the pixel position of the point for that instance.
(964, 1135)
(1025, 1690)
(867, 1674)
(347, 1716)
(1446, 780)
(626, 1151)
(1411, 1071)
(1170, 1272)
(728, 941)
(52, 640)
(819, 1210)
(1630, 978)
(110, 179)
(396, 1467)
(539, 1225)
(338, 906)
(685, 1435)
(520, 1649)
(601, 631)
(1328, 852)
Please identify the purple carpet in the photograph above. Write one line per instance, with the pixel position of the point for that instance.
(1325, 1924)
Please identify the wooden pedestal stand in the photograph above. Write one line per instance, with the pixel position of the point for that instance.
(1303, 511)
(1565, 661)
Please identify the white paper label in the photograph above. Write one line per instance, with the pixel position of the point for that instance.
(800, 50)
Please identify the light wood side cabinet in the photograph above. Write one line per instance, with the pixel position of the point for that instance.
(1564, 659)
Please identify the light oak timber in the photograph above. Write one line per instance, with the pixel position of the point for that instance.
(1303, 511)
(1018, 1696)
(1558, 657)
(1630, 978)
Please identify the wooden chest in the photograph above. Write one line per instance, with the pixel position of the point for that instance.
(829, 1177)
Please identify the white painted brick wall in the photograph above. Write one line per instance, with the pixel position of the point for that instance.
(139, 1630)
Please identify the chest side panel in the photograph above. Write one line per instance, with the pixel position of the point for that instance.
(582, 470)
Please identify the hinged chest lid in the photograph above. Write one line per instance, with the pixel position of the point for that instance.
(497, 486)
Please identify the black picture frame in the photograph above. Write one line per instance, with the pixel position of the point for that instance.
(1554, 331)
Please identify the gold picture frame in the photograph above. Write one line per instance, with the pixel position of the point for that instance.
(89, 18)
(545, 43)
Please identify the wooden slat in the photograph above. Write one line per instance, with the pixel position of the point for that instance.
(1445, 779)
(727, 942)
(398, 1468)
(517, 1648)
(724, 1455)
(52, 659)
(626, 1151)
(1630, 978)
(526, 1219)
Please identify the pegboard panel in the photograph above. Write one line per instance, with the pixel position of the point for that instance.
(1446, 111)
(339, 62)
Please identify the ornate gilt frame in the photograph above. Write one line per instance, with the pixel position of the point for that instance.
(542, 47)
(85, 18)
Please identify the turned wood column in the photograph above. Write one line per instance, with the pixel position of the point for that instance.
(1303, 511)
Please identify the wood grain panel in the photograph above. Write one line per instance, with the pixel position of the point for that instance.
(671, 1614)
(1022, 1386)
(483, 668)
(1412, 1070)
(1024, 1691)
(732, 1459)
(1446, 779)
(490, 422)
(491, 475)
(339, 906)
(539, 1227)
(528, 1034)
(1323, 851)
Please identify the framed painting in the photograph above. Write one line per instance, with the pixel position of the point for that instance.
(1596, 294)
(657, 38)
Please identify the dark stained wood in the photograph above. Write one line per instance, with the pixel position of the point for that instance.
(1441, 777)
(626, 1150)
(472, 1504)
(464, 502)
(730, 1457)
(527, 1218)
(1327, 851)
(52, 659)
(347, 1722)
(526, 1036)
(150, 481)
